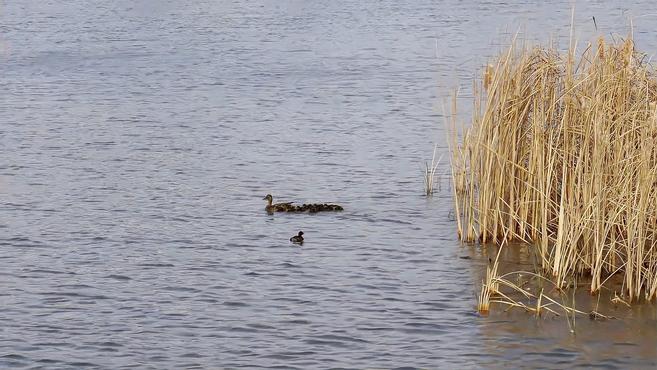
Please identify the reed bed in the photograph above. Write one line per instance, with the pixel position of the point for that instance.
(561, 153)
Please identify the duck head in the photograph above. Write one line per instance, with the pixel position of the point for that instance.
(268, 198)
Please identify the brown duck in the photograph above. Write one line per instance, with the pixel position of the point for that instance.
(278, 207)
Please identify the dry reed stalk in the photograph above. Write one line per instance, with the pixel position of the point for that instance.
(562, 153)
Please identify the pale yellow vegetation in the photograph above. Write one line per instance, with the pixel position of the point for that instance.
(562, 153)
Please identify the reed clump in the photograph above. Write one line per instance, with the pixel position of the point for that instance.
(562, 154)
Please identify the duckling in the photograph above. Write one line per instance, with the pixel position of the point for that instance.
(331, 207)
(278, 207)
(297, 239)
(294, 209)
(313, 208)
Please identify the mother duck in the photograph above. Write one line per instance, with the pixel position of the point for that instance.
(278, 207)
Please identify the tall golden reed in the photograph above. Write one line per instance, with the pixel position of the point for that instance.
(562, 153)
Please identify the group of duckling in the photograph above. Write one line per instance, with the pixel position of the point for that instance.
(292, 208)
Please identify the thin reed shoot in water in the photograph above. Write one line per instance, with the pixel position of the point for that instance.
(430, 172)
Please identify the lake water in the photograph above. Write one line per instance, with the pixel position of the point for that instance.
(137, 139)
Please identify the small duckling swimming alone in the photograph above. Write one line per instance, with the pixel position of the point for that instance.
(297, 239)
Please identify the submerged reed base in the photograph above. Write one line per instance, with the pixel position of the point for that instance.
(536, 293)
(562, 154)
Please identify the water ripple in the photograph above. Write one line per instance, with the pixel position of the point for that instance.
(139, 138)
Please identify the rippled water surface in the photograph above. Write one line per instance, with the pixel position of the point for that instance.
(138, 138)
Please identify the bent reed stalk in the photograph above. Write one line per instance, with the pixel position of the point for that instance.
(562, 153)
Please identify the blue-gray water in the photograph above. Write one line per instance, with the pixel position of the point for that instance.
(137, 139)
